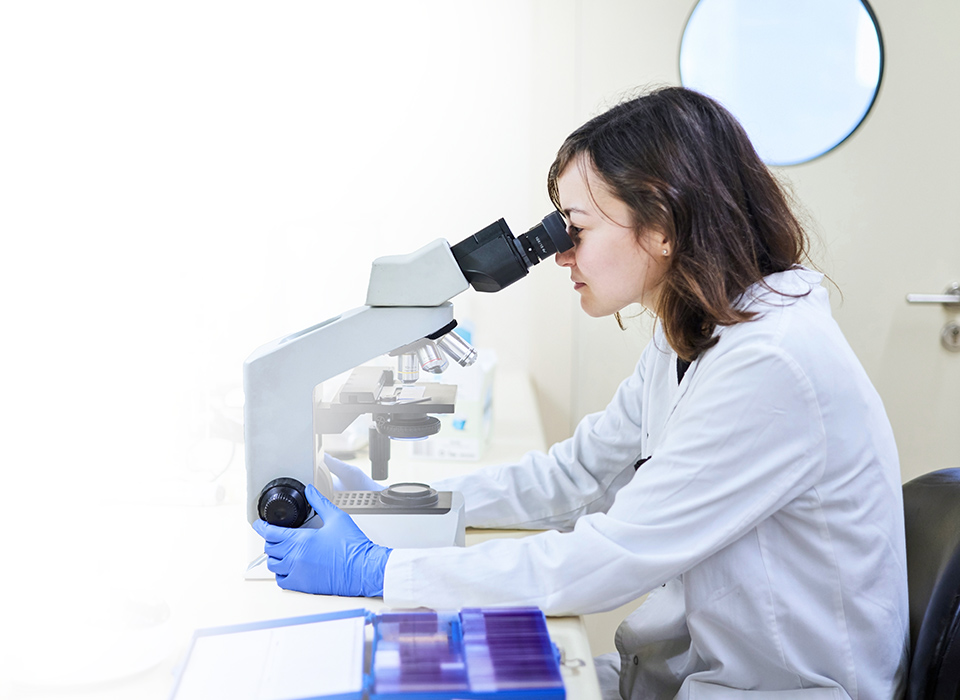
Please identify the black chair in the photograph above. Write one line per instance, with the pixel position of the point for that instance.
(931, 505)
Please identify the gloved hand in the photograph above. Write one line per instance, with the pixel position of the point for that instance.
(336, 559)
(347, 477)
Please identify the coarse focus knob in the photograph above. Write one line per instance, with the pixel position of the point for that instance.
(283, 502)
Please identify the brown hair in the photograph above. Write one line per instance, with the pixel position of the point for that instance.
(685, 167)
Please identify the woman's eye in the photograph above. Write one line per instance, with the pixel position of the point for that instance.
(574, 232)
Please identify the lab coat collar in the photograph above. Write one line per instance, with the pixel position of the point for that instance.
(781, 288)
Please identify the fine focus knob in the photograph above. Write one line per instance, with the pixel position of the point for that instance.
(283, 502)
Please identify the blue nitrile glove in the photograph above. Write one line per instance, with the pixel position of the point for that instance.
(337, 559)
(347, 477)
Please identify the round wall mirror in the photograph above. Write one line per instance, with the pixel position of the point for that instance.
(800, 76)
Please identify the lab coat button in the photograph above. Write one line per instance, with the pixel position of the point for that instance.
(636, 660)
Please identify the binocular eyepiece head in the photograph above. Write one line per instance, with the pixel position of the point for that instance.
(492, 258)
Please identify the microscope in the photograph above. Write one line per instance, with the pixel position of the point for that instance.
(407, 315)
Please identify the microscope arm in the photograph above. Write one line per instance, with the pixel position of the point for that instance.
(280, 377)
(407, 300)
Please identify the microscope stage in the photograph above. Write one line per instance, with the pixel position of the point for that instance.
(371, 503)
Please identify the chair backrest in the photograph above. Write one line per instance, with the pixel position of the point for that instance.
(931, 506)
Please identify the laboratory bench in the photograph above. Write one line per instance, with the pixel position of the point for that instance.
(186, 573)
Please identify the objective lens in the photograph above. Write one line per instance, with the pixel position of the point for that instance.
(458, 349)
(430, 358)
(408, 369)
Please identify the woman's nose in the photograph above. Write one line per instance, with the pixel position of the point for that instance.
(565, 259)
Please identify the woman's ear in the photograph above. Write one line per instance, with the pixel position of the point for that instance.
(662, 245)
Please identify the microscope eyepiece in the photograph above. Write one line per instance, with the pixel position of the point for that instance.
(545, 239)
(493, 258)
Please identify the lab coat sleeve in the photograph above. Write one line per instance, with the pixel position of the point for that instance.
(578, 476)
(747, 439)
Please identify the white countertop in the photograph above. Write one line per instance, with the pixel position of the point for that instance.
(122, 634)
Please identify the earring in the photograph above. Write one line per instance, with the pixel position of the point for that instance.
(665, 252)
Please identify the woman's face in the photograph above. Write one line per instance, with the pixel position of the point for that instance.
(609, 267)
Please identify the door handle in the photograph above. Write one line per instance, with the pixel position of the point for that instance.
(951, 297)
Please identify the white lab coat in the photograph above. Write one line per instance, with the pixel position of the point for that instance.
(767, 524)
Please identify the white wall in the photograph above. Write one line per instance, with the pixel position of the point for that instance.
(184, 181)
(180, 182)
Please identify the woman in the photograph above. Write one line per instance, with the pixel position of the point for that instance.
(745, 475)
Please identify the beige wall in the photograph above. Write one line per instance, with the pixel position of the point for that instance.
(884, 207)
(588, 55)
(887, 207)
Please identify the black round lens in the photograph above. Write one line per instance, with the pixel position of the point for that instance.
(556, 229)
(545, 239)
